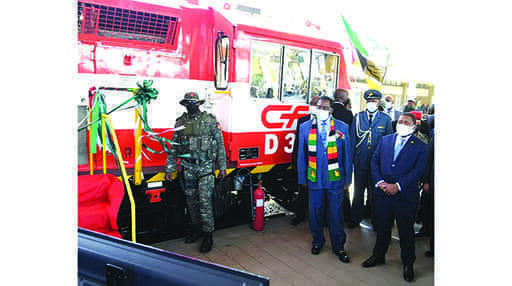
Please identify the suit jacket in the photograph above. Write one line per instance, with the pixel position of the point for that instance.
(428, 177)
(341, 113)
(406, 170)
(344, 160)
(296, 142)
(381, 125)
(394, 114)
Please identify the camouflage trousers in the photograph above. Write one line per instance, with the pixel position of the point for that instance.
(199, 183)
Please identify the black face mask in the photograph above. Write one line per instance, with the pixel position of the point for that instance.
(192, 108)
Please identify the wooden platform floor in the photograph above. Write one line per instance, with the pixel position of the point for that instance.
(282, 253)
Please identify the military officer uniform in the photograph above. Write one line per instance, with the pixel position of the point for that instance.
(201, 145)
(366, 131)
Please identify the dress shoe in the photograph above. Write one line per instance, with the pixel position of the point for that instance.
(194, 234)
(343, 256)
(316, 249)
(420, 234)
(207, 243)
(429, 253)
(296, 220)
(408, 273)
(373, 261)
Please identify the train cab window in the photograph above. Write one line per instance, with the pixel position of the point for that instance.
(295, 75)
(323, 73)
(221, 61)
(265, 68)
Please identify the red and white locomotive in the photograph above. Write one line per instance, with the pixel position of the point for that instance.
(256, 80)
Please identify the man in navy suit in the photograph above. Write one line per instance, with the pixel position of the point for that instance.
(390, 108)
(342, 113)
(397, 166)
(324, 165)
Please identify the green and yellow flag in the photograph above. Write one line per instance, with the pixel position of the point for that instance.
(372, 57)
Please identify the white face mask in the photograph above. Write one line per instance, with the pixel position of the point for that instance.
(322, 114)
(404, 130)
(389, 104)
(371, 106)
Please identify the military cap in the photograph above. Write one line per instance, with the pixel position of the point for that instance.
(372, 94)
(191, 96)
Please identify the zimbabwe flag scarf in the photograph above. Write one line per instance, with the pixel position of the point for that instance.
(332, 153)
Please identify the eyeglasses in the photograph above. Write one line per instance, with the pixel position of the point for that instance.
(405, 122)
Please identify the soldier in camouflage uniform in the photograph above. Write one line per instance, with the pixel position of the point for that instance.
(202, 139)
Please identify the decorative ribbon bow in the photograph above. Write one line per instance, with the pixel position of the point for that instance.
(142, 96)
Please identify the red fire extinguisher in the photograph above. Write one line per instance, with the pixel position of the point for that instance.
(259, 199)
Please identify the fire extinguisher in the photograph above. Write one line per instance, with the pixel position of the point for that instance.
(259, 199)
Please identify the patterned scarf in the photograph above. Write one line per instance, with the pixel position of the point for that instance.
(332, 153)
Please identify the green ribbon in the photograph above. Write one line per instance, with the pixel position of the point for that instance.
(99, 108)
(142, 95)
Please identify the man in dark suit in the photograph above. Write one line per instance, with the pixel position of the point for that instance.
(341, 113)
(302, 199)
(428, 192)
(397, 166)
(324, 164)
(390, 110)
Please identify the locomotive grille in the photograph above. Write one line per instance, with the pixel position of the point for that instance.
(119, 23)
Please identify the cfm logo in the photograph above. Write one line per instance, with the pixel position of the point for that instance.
(286, 114)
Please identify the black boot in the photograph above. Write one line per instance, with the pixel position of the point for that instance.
(207, 244)
(194, 235)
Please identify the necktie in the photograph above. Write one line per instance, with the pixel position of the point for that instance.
(323, 133)
(371, 117)
(398, 147)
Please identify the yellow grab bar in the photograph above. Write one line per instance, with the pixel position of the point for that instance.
(89, 145)
(137, 169)
(103, 145)
(123, 173)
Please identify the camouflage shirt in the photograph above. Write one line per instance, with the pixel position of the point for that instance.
(201, 139)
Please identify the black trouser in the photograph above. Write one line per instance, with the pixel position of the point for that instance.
(428, 221)
(389, 208)
(346, 205)
(301, 203)
(363, 181)
(420, 215)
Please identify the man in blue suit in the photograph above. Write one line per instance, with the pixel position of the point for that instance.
(367, 129)
(301, 204)
(324, 165)
(389, 108)
(397, 166)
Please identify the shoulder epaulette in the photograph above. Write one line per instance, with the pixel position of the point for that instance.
(421, 138)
